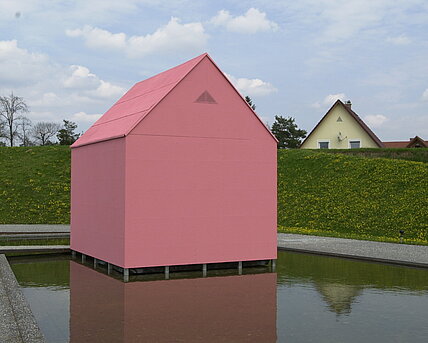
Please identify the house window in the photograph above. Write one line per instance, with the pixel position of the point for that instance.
(355, 144)
(323, 145)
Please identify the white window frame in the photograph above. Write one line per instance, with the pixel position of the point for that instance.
(354, 140)
(323, 141)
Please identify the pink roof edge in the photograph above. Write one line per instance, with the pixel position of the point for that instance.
(140, 100)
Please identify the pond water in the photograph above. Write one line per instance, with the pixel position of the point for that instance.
(308, 299)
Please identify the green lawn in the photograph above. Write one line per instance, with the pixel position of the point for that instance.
(416, 155)
(320, 193)
(35, 185)
(349, 196)
(50, 241)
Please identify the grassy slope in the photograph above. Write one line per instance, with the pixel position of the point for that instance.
(35, 185)
(416, 155)
(349, 196)
(318, 193)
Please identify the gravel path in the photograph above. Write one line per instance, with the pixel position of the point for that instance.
(33, 248)
(17, 323)
(36, 228)
(404, 254)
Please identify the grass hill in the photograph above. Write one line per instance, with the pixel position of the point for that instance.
(417, 155)
(350, 196)
(319, 193)
(35, 185)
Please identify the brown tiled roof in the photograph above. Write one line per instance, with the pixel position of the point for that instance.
(406, 144)
(356, 117)
(396, 144)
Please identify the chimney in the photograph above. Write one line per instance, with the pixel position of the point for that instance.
(348, 103)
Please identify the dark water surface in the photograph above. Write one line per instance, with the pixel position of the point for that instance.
(309, 299)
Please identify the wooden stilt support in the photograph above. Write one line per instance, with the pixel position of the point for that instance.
(73, 254)
(83, 258)
(95, 263)
(166, 272)
(204, 270)
(108, 268)
(240, 267)
(125, 274)
(273, 265)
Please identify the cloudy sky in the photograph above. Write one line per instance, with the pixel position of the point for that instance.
(74, 59)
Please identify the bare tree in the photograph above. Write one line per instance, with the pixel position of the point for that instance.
(2, 130)
(10, 109)
(24, 131)
(44, 131)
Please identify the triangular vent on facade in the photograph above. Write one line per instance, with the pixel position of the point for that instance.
(339, 119)
(206, 98)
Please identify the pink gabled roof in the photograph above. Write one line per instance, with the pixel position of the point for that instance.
(138, 102)
(132, 107)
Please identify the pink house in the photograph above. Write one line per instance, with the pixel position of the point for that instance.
(179, 171)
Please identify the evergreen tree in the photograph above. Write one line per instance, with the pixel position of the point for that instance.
(250, 102)
(287, 132)
(67, 136)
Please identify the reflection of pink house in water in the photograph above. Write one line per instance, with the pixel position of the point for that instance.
(179, 171)
(213, 309)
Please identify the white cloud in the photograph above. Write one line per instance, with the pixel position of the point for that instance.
(331, 21)
(95, 11)
(375, 120)
(19, 66)
(48, 99)
(329, 100)
(107, 90)
(81, 77)
(251, 22)
(425, 95)
(10, 8)
(89, 83)
(399, 40)
(252, 87)
(345, 19)
(332, 98)
(52, 90)
(84, 117)
(98, 38)
(173, 37)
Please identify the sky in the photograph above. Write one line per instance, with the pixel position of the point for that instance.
(73, 59)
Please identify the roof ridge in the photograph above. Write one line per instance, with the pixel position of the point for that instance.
(154, 90)
(243, 99)
(175, 67)
(198, 58)
(118, 118)
(362, 124)
(152, 93)
(163, 83)
(357, 119)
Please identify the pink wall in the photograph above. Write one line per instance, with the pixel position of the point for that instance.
(213, 309)
(200, 179)
(191, 183)
(98, 200)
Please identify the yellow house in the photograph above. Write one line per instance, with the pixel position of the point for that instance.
(341, 128)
